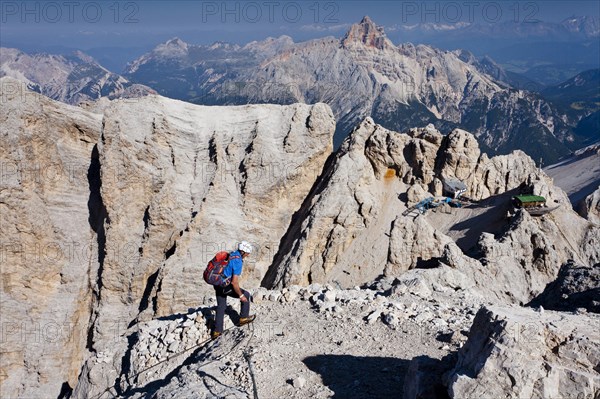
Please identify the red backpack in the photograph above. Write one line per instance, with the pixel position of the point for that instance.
(213, 274)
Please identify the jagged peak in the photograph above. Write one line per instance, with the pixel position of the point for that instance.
(176, 42)
(172, 47)
(84, 57)
(367, 33)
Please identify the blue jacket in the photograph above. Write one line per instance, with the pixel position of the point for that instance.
(234, 267)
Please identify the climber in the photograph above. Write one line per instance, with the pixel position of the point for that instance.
(233, 270)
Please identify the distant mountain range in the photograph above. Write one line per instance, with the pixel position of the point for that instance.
(365, 74)
(572, 28)
(545, 52)
(582, 89)
(362, 74)
(70, 78)
(580, 95)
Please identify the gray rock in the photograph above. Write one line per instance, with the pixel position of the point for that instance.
(299, 382)
(329, 296)
(590, 207)
(274, 296)
(373, 316)
(173, 346)
(390, 318)
(516, 352)
(575, 287)
(314, 288)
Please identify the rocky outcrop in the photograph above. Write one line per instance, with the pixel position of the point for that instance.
(460, 157)
(348, 211)
(576, 287)
(412, 242)
(50, 207)
(516, 352)
(591, 207)
(357, 213)
(174, 357)
(517, 265)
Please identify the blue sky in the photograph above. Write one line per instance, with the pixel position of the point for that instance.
(89, 24)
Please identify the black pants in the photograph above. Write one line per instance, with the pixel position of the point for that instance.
(222, 293)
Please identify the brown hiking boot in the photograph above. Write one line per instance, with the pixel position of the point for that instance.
(214, 335)
(246, 320)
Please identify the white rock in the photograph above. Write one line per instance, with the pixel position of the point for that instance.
(173, 346)
(274, 296)
(555, 354)
(299, 382)
(314, 288)
(329, 296)
(372, 318)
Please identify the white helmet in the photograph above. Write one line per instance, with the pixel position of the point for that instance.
(245, 246)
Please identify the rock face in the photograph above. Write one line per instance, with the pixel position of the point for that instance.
(181, 182)
(460, 157)
(48, 239)
(411, 242)
(349, 210)
(109, 220)
(515, 352)
(72, 79)
(575, 287)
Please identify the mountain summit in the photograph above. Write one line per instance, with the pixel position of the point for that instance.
(367, 33)
(174, 47)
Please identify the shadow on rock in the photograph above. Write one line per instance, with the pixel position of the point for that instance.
(576, 287)
(360, 377)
